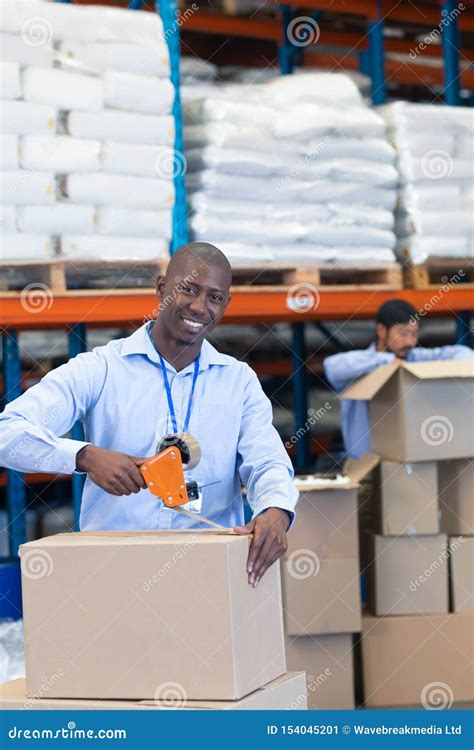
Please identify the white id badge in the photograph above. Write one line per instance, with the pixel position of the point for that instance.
(195, 505)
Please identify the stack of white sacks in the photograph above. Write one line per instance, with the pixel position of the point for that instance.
(435, 149)
(296, 169)
(87, 135)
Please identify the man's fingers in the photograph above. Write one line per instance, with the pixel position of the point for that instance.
(266, 556)
(255, 547)
(137, 477)
(247, 529)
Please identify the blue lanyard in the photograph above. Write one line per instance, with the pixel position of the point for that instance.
(168, 389)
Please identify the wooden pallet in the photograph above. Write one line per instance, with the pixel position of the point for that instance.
(371, 276)
(436, 272)
(61, 275)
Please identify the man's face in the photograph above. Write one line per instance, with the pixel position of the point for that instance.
(399, 338)
(193, 302)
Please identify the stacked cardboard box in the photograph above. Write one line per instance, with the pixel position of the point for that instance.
(321, 594)
(153, 619)
(420, 576)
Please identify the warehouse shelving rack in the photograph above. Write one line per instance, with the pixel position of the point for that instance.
(74, 311)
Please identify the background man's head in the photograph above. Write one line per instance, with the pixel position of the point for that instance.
(194, 293)
(397, 328)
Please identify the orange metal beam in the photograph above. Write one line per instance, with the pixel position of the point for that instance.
(248, 305)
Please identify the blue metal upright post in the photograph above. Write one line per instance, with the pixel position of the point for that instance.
(300, 392)
(16, 488)
(451, 46)
(286, 50)
(169, 15)
(77, 342)
(377, 58)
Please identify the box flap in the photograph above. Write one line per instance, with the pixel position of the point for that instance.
(366, 387)
(13, 690)
(358, 468)
(317, 482)
(446, 368)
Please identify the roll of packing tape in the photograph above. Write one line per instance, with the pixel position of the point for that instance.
(187, 445)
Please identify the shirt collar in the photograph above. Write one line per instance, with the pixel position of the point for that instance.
(139, 343)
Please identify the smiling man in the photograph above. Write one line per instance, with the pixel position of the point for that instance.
(164, 378)
(396, 337)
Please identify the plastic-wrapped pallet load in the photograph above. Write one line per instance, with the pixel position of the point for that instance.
(435, 145)
(87, 134)
(295, 169)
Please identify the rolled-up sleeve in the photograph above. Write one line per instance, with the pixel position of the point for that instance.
(32, 426)
(263, 463)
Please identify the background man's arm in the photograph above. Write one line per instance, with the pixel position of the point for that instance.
(342, 369)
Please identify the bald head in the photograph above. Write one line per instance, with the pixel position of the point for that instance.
(198, 254)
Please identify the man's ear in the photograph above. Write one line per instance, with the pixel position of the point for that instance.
(381, 334)
(160, 285)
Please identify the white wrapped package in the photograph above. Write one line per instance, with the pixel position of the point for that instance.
(238, 110)
(62, 89)
(9, 152)
(88, 23)
(23, 118)
(128, 127)
(23, 187)
(431, 119)
(343, 255)
(99, 57)
(192, 68)
(329, 213)
(249, 231)
(57, 219)
(143, 161)
(419, 144)
(59, 154)
(328, 235)
(420, 248)
(240, 162)
(307, 121)
(17, 49)
(430, 196)
(22, 246)
(435, 165)
(338, 147)
(7, 218)
(337, 88)
(232, 136)
(114, 190)
(129, 222)
(113, 248)
(351, 170)
(10, 84)
(319, 191)
(135, 93)
(435, 223)
(465, 146)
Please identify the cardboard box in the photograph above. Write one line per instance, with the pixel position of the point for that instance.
(404, 495)
(456, 496)
(419, 411)
(408, 575)
(418, 660)
(120, 614)
(286, 693)
(320, 570)
(329, 666)
(461, 573)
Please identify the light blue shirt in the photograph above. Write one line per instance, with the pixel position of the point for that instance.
(342, 369)
(117, 392)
